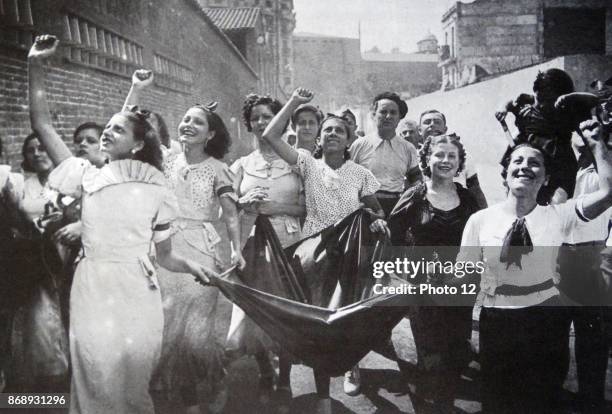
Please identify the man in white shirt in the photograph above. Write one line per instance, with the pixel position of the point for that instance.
(390, 158)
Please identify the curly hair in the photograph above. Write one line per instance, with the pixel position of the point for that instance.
(151, 152)
(425, 151)
(318, 151)
(252, 100)
(392, 96)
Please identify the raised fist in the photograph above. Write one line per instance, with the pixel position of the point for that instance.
(142, 78)
(43, 47)
(302, 95)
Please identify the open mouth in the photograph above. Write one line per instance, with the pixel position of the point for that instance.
(188, 132)
(105, 141)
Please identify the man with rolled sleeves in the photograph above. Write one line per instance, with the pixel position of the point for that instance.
(389, 157)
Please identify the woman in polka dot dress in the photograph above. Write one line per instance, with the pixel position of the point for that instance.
(334, 186)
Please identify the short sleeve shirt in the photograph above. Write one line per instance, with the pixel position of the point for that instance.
(388, 159)
(331, 194)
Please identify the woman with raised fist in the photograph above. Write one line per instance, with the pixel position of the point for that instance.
(116, 318)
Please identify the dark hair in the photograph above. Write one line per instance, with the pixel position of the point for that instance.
(556, 79)
(87, 125)
(425, 151)
(546, 191)
(251, 101)
(143, 131)
(25, 164)
(548, 160)
(392, 96)
(432, 111)
(306, 108)
(348, 113)
(219, 144)
(162, 129)
(318, 151)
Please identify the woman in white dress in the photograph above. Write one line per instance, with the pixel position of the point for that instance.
(116, 318)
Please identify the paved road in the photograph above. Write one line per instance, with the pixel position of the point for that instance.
(383, 389)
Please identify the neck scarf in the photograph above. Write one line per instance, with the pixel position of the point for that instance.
(517, 242)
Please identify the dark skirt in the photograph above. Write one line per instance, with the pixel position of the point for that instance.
(524, 354)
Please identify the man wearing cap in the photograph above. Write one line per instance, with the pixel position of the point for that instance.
(390, 158)
(432, 123)
(305, 122)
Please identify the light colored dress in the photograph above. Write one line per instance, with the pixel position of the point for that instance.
(283, 184)
(331, 195)
(191, 352)
(116, 317)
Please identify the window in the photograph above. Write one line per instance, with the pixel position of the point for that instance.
(171, 74)
(16, 23)
(93, 45)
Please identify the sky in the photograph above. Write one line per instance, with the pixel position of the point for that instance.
(384, 23)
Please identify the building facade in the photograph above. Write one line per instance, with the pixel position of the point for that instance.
(341, 75)
(278, 19)
(488, 37)
(102, 43)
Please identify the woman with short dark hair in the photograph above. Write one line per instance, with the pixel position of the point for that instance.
(523, 333)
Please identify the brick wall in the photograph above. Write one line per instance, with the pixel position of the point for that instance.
(210, 67)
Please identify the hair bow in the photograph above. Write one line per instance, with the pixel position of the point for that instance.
(210, 107)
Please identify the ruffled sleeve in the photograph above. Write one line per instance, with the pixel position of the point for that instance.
(370, 184)
(224, 182)
(67, 177)
(167, 213)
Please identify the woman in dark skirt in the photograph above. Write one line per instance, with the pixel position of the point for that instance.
(434, 214)
(523, 333)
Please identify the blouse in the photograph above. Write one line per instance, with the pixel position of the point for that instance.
(548, 227)
(332, 194)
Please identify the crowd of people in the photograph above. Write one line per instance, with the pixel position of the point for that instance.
(99, 248)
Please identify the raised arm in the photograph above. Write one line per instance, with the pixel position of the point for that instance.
(141, 79)
(40, 118)
(596, 136)
(274, 131)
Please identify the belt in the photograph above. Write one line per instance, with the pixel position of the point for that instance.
(512, 290)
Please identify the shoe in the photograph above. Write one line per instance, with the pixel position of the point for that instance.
(324, 406)
(352, 381)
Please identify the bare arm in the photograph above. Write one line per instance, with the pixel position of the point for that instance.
(596, 203)
(175, 263)
(141, 79)
(40, 117)
(230, 217)
(274, 132)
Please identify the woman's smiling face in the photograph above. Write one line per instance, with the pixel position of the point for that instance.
(526, 172)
